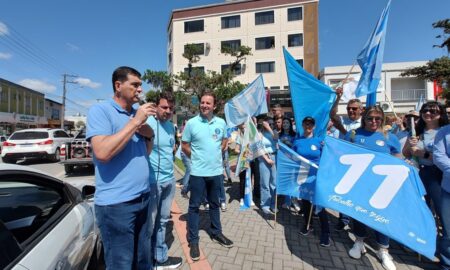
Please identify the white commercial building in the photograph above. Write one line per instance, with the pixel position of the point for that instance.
(395, 93)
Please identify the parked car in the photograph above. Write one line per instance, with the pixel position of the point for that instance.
(42, 143)
(77, 153)
(45, 223)
(2, 139)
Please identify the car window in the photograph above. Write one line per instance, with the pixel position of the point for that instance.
(24, 209)
(81, 134)
(29, 135)
(61, 134)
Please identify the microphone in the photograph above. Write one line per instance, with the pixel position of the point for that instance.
(141, 98)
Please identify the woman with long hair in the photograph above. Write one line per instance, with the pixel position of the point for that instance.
(432, 117)
(373, 136)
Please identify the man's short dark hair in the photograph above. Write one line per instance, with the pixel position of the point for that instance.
(121, 75)
(167, 95)
(208, 93)
(276, 106)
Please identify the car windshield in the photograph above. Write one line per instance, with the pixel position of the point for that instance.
(29, 135)
(81, 134)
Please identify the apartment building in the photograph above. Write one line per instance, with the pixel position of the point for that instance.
(264, 25)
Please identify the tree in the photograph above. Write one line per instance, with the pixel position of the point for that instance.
(437, 70)
(80, 124)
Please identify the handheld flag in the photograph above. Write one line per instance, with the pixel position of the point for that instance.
(296, 175)
(370, 59)
(310, 97)
(419, 103)
(249, 102)
(247, 190)
(379, 190)
(251, 147)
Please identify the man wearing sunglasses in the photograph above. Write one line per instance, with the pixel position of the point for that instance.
(345, 124)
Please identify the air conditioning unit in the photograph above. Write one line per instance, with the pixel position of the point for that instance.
(243, 67)
(387, 106)
(207, 46)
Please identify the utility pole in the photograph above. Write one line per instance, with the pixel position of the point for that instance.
(63, 109)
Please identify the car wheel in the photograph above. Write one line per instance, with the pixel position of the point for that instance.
(68, 169)
(7, 160)
(56, 157)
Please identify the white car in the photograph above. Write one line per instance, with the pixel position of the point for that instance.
(41, 143)
(45, 223)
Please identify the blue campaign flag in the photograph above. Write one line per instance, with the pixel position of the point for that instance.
(379, 190)
(296, 175)
(249, 102)
(310, 97)
(370, 59)
(248, 198)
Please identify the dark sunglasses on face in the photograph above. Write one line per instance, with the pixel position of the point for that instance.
(376, 118)
(352, 108)
(432, 111)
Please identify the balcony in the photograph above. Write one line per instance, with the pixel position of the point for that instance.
(408, 94)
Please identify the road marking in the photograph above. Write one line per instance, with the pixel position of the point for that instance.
(180, 227)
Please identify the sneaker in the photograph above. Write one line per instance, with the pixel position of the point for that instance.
(170, 263)
(221, 239)
(274, 210)
(252, 203)
(386, 259)
(223, 207)
(325, 240)
(305, 232)
(357, 250)
(266, 210)
(241, 202)
(207, 207)
(296, 205)
(194, 252)
(341, 226)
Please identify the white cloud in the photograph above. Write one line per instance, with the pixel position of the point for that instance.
(4, 56)
(87, 83)
(3, 29)
(72, 47)
(38, 85)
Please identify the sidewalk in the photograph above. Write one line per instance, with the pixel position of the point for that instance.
(258, 245)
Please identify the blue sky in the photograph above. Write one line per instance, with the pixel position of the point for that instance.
(41, 40)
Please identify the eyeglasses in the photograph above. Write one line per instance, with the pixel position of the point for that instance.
(376, 118)
(431, 111)
(352, 108)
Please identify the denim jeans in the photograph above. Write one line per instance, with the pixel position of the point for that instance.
(197, 186)
(431, 178)
(444, 243)
(187, 166)
(164, 197)
(124, 229)
(267, 181)
(359, 229)
(226, 164)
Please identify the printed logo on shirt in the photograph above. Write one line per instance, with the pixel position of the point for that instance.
(313, 147)
(172, 141)
(380, 143)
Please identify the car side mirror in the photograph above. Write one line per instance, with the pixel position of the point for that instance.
(88, 191)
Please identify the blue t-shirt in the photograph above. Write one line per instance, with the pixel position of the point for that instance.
(126, 176)
(161, 158)
(206, 144)
(268, 142)
(375, 141)
(286, 138)
(309, 148)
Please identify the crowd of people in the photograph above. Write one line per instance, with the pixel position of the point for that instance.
(133, 209)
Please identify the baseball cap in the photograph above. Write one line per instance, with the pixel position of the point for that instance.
(309, 119)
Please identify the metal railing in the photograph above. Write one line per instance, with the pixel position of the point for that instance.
(408, 94)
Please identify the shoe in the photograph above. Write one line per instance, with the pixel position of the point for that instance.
(274, 210)
(357, 250)
(325, 240)
(207, 207)
(305, 232)
(296, 205)
(266, 211)
(223, 207)
(194, 252)
(252, 203)
(341, 226)
(170, 263)
(386, 259)
(221, 239)
(241, 202)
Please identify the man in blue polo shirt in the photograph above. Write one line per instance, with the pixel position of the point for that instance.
(204, 141)
(161, 161)
(121, 142)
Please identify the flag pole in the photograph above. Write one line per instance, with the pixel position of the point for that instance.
(276, 210)
(309, 216)
(389, 100)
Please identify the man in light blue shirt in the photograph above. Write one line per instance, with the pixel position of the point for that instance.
(204, 141)
(121, 143)
(441, 158)
(161, 166)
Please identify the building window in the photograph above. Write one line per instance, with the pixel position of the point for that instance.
(295, 14)
(264, 17)
(265, 67)
(195, 70)
(231, 21)
(237, 70)
(199, 48)
(295, 40)
(299, 61)
(194, 26)
(274, 88)
(170, 58)
(264, 43)
(232, 44)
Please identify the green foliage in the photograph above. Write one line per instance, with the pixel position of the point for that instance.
(159, 80)
(445, 24)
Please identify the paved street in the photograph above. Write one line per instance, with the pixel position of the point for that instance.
(258, 244)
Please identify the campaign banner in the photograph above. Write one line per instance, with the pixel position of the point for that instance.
(377, 189)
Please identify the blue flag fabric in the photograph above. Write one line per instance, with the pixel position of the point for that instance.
(379, 190)
(249, 102)
(370, 59)
(248, 198)
(295, 174)
(310, 97)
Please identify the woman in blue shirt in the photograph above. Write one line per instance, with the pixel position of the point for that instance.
(371, 135)
(310, 147)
